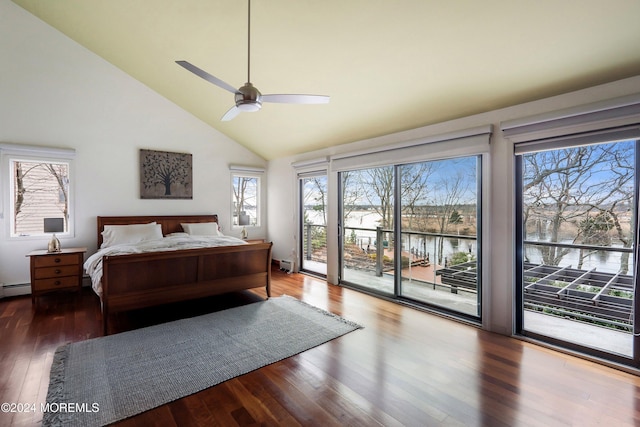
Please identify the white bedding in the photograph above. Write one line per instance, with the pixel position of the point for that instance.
(93, 264)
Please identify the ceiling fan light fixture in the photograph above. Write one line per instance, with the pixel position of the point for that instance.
(249, 106)
(248, 98)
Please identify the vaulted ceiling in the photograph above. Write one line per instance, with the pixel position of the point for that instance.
(388, 65)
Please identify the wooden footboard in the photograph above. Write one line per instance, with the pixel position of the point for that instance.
(136, 281)
(144, 280)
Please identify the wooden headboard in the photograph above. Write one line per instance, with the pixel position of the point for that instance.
(170, 223)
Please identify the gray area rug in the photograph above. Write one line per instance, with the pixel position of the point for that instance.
(107, 379)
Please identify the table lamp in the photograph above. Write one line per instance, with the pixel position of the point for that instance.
(53, 225)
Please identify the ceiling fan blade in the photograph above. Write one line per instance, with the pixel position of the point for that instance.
(208, 77)
(296, 99)
(229, 115)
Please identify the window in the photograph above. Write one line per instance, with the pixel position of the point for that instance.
(37, 189)
(246, 200)
(576, 228)
(577, 215)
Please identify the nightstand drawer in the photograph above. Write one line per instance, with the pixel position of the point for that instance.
(63, 270)
(56, 283)
(55, 271)
(53, 260)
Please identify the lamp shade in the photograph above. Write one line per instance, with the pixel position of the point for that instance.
(244, 219)
(53, 225)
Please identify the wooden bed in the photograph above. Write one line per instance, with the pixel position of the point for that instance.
(148, 279)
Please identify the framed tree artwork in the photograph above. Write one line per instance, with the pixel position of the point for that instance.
(165, 175)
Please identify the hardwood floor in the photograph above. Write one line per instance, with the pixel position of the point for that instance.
(406, 367)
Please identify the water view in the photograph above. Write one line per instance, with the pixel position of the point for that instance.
(410, 232)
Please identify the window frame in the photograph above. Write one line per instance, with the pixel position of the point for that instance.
(253, 173)
(520, 328)
(595, 123)
(10, 153)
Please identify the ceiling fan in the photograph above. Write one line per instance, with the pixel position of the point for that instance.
(248, 98)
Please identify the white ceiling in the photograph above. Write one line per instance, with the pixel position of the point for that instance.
(388, 65)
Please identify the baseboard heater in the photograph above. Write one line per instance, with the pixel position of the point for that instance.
(15, 290)
(286, 265)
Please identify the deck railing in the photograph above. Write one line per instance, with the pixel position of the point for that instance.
(583, 294)
(376, 247)
(315, 242)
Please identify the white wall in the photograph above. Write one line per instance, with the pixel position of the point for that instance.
(54, 92)
(497, 313)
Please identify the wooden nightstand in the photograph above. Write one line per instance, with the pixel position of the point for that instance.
(56, 271)
(254, 240)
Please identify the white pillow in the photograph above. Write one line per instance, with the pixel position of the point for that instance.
(132, 233)
(202, 228)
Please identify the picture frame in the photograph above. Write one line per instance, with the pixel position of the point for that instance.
(165, 175)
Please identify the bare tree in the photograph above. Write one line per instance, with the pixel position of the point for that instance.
(317, 193)
(610, 203)
(549, 178)
(414, 188)
(451, 190)
(60, 173)
(314, 236)
(377, 187)
(244, 188)
(352, 193)
(378, 190)
(19, 190)
(577, 188)
(39, 189)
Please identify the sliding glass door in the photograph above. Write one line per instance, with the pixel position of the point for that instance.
(313, 223)
(411, 232)
(577, 246)
(440, 228)
(368, 253)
